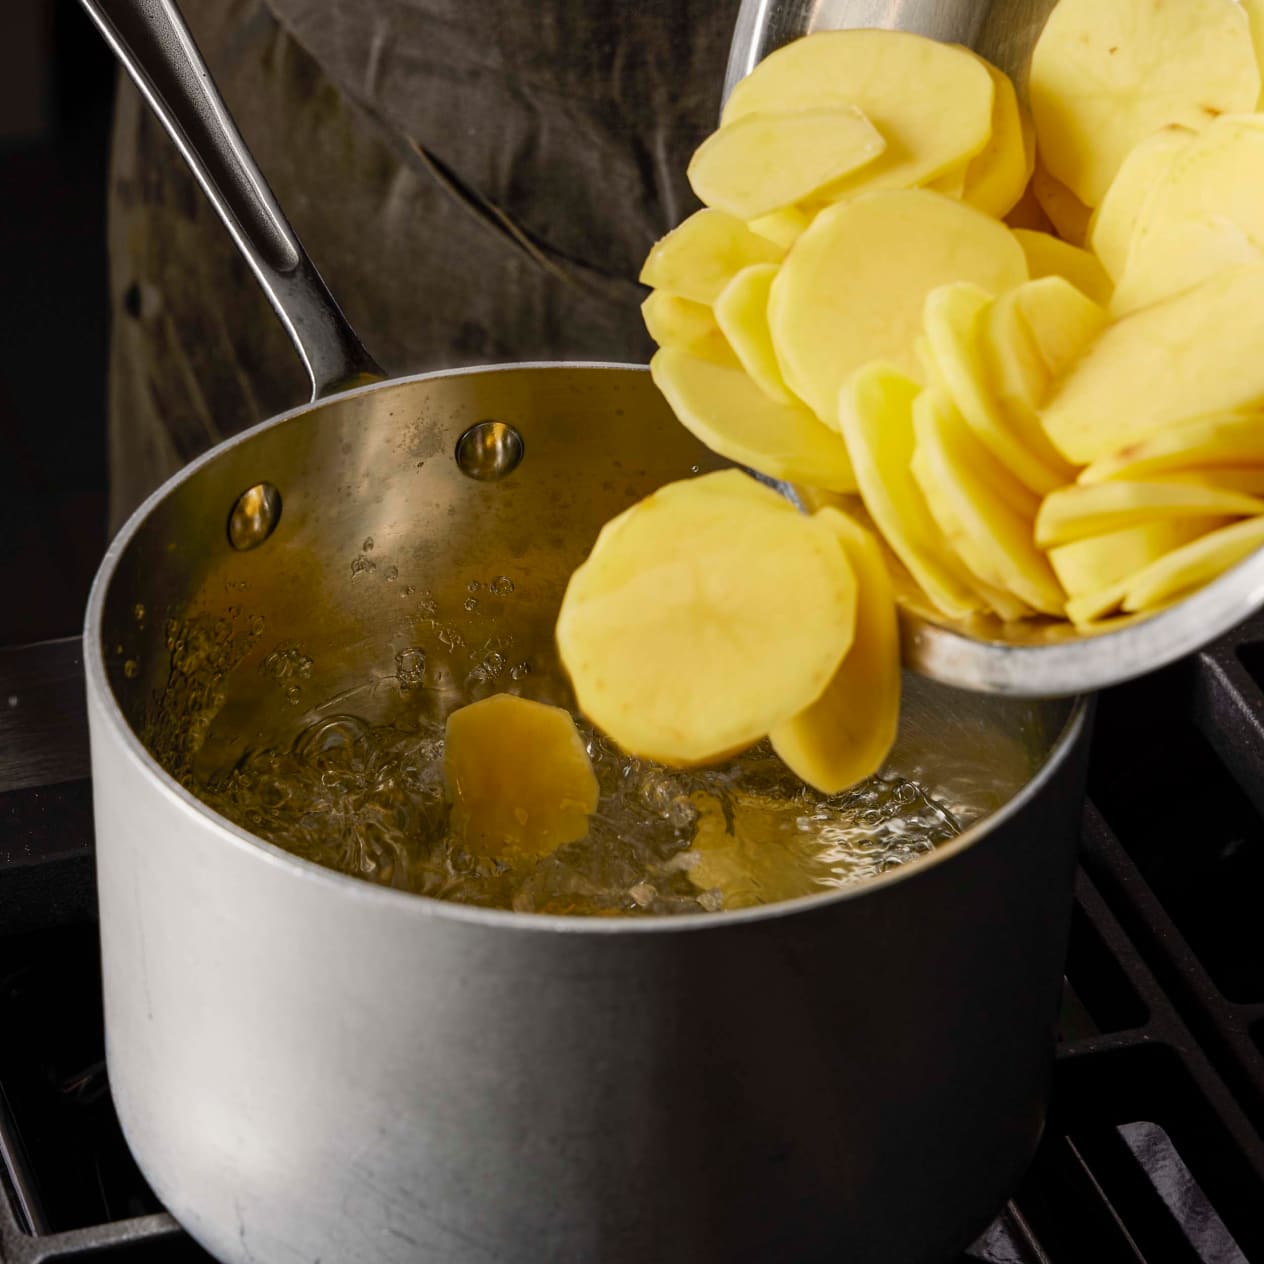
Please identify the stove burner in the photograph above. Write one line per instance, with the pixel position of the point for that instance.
(1154, 1149)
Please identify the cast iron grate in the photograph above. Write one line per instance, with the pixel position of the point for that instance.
(1155, 1146)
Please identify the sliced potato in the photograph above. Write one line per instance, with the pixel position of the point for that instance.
(1248, 479)
(996, 542)
(1110, 231)
(997, 176)
(846, 734)
(1098, 562)
(700, 256)
(783, 226)
(1088, 509)
(954, 315)
(518, 777)
(730, 414)
(709, 615)
(1069, 216)
(1205, 214)
(1186, 357)
(852, 288)
(951, 184)
(928, 131)
(742, 313)
(877, 419)
(1106, 76)
(1088, 609)
(1050, 256)
(1028, 213)
(677, 322)
(1193, 565)
(1205, 444)
(1255, 17)
(762, 162)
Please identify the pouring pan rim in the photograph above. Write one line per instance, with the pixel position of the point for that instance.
(119, 730)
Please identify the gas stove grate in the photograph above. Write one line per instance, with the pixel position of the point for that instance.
(1154, 1149)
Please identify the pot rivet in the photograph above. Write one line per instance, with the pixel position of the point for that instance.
(489, 450)
(254, 516)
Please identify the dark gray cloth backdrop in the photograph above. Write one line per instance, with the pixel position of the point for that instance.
(478, 181)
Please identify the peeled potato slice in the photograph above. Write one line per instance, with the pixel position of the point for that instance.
(762, 162)
(996, 542)
(518, 776)
(932, 102)
(1050, 256)
(846, 734)
(1113, 223)
(1186, 357)
(701, 255)
(996, 177)
(852, 288)
(954, 316)
(742, 313)
(1065, 211)
(783, 227)
(1205, 214)
(1105, 76)
(730, 414)
(1204, 444)
(677, 322)
(1193, 565)
(877, 418)
(951, 184)
(1092, 509)
(1088, 566)
(709, 614)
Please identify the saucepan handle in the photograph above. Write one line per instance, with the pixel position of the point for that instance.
(154, 45)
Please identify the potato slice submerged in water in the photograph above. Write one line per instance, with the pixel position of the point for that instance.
(1104, 76)
(1186, 357)
(518, 777)
(852, 289)
(877, 417)
(846, 734)
(762, 162)
(722, 406)
(701, 255)
(931, 102)
(705, 616)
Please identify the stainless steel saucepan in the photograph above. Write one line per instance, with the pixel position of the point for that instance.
(312, 1067)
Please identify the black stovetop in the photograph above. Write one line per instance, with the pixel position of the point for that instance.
(1155, 1145)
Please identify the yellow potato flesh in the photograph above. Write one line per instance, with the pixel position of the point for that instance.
(1186, 357)
(1254, 10)
(742, 313)
(723, 407)
(1248, 479)
(1113, 223)
(1050, 256)
(1195, 564)
(1205, 444)
(518, 777)
(845, 735)
(951, 184)
(877, 418)
(783, 227)
(997, 540)
(996, 177)
(1087, 509)
(1104, 76)
(1028, 213)
(712, 613)
(954, 316)
(1204, 214)
(1068, 215)
(1101, 561)
(762, 162)
(699, 257)
(931, 102)
(852, 289)
(677, 322)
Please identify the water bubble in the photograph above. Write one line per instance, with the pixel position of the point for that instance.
(285, 663)
(138, 612)
(473, 586)
(471, 604)
(451, 638)
(362, 565)
(410, 667)
(695, 469)
(519, 671)
(407, 590)
(502, 586)
(391, 574)
(427, 607)
(256, 625)
(293, 694)
(643, 894)
(367, 546)
(131, 669)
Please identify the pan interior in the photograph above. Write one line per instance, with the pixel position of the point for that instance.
(424, 535)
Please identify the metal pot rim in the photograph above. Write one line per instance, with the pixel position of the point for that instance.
(98, 685)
